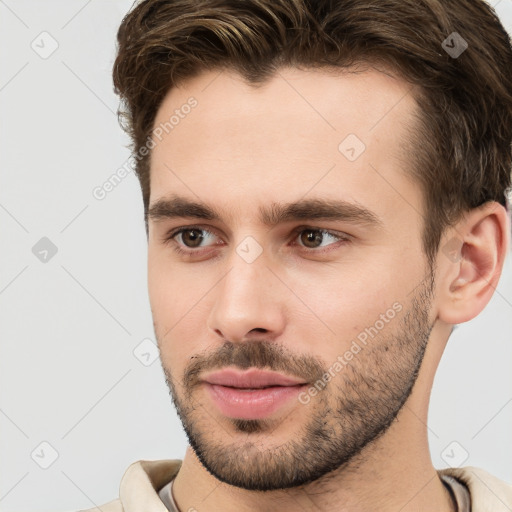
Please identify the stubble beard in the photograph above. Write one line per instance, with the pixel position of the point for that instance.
(353, 410)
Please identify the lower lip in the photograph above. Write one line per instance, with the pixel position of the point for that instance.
(251, 405)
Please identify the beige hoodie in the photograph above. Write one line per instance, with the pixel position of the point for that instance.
(138, 491)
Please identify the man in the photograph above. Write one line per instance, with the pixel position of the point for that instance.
(325, 188)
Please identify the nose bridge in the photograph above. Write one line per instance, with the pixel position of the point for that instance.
(246, 298)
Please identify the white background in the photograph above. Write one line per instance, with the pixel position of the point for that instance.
(69, 326)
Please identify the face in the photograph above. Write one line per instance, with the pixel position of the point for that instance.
(285, 236)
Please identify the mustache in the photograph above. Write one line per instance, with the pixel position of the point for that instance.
(255, 353)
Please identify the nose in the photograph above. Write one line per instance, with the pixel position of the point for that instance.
(248, 302)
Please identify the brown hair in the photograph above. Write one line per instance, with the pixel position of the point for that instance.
(461, 153)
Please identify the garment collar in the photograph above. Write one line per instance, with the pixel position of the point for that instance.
(143, 479)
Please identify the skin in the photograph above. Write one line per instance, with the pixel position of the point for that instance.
(302, 303)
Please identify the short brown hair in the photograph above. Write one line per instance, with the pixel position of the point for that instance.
(461, 153)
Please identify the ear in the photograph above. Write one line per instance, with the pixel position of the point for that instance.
(470, 261)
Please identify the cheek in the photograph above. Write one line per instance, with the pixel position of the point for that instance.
(167, 287)
(179, 304)
(339, 303)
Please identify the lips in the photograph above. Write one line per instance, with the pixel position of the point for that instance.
(252, 394)
(251, 379)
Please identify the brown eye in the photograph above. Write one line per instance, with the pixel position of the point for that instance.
(192, 237)
(316, 238)
(311, 238)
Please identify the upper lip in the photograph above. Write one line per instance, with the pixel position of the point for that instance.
(250, 379)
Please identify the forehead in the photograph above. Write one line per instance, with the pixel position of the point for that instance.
(339, 134)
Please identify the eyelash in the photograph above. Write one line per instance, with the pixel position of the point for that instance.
(169, 238)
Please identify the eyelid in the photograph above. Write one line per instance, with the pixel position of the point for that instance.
(334, 232)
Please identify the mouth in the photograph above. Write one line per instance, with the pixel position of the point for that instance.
(252, 394)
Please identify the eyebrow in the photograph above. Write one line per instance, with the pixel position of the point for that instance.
(308, 209)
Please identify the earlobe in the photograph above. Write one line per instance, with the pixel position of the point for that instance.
(471, 259)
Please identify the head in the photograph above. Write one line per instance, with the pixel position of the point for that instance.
(340, 180)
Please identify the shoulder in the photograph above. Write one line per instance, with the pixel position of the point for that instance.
(139, 487)
(488, 493)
